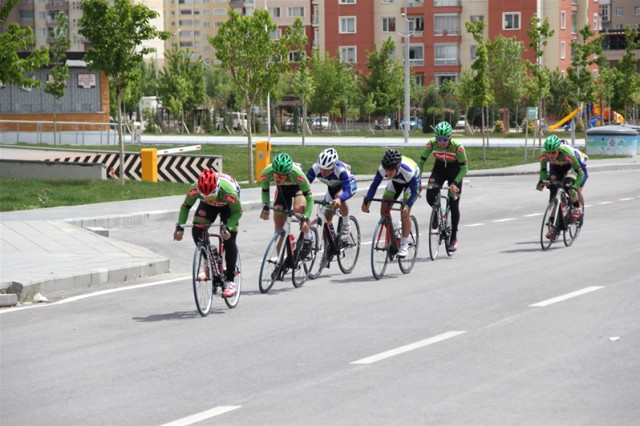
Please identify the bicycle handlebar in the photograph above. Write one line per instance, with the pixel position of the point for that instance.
(299, 216)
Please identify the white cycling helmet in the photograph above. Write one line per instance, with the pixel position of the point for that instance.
(328, 158)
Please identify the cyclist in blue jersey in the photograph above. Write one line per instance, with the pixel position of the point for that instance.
(341, 185)
(404, 177)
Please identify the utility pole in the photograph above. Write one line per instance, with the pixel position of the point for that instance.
(407, 112)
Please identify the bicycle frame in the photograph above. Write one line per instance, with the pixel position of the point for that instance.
(443, 232)
(557, 218)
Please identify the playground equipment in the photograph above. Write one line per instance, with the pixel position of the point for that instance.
(598, 116)
(565, 119)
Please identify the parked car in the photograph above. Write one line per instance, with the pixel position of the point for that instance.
(239, 120)
(290, 125)
(414, 123)
(462, 123)
(384, 123)
(320, 123)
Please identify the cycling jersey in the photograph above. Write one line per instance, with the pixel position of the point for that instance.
(295, 177)
(340, 177)
(228, 196)
(453, 153)
(569, 158)
(408, 176)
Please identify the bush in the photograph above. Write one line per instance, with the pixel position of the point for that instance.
(498, 126)
(531, 125)
(579, 125)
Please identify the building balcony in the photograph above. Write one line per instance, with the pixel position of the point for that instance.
(441, 3)
(57, 5)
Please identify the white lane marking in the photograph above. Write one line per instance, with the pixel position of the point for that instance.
(605, 202)
(203, 416)
(97, 293)
(566, 296)
(474, 224)
(533, 214)
(626, 199)
(409, 347)
(507, 219)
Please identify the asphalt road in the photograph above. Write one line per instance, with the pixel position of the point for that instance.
(500, 334)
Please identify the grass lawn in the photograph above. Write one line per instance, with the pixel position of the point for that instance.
(22, 194)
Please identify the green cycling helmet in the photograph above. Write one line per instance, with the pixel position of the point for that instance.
(282, 164)
(443, 130)
(552, 143)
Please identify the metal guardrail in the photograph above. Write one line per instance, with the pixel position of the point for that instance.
(66, 132)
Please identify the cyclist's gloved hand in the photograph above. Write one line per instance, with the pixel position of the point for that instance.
(454, 188)
(178, 233)
(264, 215)
(224, 231)
(540, 185)
(365, 205)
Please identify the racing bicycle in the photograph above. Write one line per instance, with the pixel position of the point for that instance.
(284, 254)
(557, 218)
(331, 245)
(387, 237)
(209, 272)
(440, 224)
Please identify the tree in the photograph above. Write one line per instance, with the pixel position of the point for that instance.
(608, 79)
(244, 46)
(304, 86)
(56, 86)
(116, 31)
(538, 87)
(630, 82)
(12, 41)
(385, 80)
(481, 94)
(507, 73)
(181, 84)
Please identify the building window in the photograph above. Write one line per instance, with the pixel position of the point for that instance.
(473, 54)
(574, 22)
(294, 56)
(474, 18)
(416, 24)
(219, 12)
(446, 24)
(347, 25)
(419, 79)
(636, 10)
(511, 21)
(619, 11)
(276, 34)
(388, 1)
(388, 25)
(604, 12)
(347, 1)
(348, 54)
(563, 49)
(595, 22)
(274, 12)
(446, 54)
(441, 77)
(563, 20)
(293, 12)
(416, 55)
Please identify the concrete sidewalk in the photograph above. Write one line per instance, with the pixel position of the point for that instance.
(61, 248)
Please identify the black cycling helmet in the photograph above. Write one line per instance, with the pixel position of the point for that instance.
(391, 159)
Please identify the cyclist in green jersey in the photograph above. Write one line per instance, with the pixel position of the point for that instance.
(293, 192)
(219, 194)
(450, 165)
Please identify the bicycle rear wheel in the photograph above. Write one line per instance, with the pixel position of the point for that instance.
(202, 280)
(302, 266)
(322, 254)
(573, 230)
(349, 249)
(406, 263)
(548, 225)
(232, 301)
(434, 234)
(272, 262)
(380, 249)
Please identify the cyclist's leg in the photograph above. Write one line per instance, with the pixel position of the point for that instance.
(283, 200)
(556, 172)
(328, 214)
(454, 200)
(230, 247)
(205, 214)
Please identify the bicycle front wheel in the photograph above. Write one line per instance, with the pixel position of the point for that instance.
(321, 255)
(548, 225)
(202, 280)
(573, 230)
(447, 229)
(434, 234)
(350, 248)
(272, 262)
(380, 249)
(232, 302)
(406, 263)
(302, 266)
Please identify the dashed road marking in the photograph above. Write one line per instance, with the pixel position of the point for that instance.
(203, 415)
(566, 296)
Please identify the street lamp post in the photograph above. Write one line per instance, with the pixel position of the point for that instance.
(407, 124)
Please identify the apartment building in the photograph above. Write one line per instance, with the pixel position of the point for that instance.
(618, 14)
(439, 45)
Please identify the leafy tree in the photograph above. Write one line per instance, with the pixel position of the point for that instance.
(57, 84)
(385, 80)
(432, 106)
(12, 41)
(464, 90)
(608, 79)
(538, 88)
(116, 31)
(630, 81)
(244, 47)
(304, 86)
(507, 72)
(560, 95)
(181, 84)
(481, 93)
